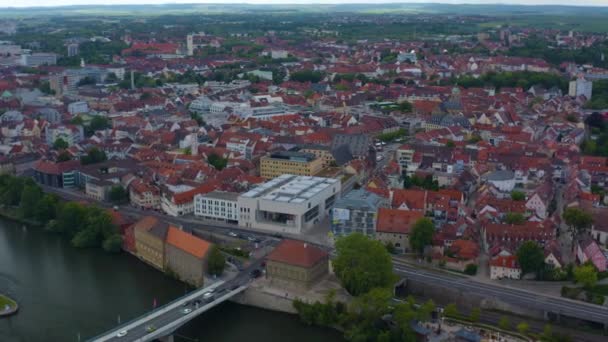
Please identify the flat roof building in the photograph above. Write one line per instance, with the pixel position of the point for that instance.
(288, 203)
(290, 162)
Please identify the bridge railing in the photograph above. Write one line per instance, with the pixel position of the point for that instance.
(152, 314)
(171, 327)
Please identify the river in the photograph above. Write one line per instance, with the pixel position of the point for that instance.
(67, 293)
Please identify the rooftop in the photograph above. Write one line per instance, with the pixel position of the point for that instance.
(297, 253)
(187, 242)
(293, 156)
(291, 188)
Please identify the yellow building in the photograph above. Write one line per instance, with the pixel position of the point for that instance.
(294, 163)
(150, 235)
(320, 151)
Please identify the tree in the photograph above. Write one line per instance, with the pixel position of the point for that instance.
(471, 269)
(60, 144)
(216, 262)
(218, 162)
(422, 234)
(362, 264)
(405, 107)
(504, 323)
(118, 194)
(94, 156)
(451, 310)
(46, 209)
(11, 190)
(98, 122)
(530, 257)
(63, 156)
(30, 197)
(578, 221)
(518, 195)
(112, 244)
(586, 275)
(515, 218)
(523, 328)
(450, 144)
(475, 315)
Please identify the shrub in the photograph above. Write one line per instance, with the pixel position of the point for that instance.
(471, 269)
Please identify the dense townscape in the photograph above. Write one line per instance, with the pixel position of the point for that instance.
(208, 146)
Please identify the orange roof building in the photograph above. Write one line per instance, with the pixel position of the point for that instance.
(394, 225)
(186, 256)
(297, 264)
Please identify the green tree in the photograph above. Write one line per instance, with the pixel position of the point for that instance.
(112, 244)
(515, 218)
(86, 238)
(63, 156)
(577, 220)
(12, 187)
(451, 310)
(362, 264)
(518, 195)
(586, 275)
(60, 144)
(71, 218)
(422, 234)
(523, 328)
(94, 156)
(504, 323)
(98, 122)
(450, 144)
(218, 162)
(471, 269)
(30, 197)
(216, 262)
(475, 315)
(118, 194)
(46, 209)
(530, 257)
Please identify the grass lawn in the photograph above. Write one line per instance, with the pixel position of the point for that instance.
(4, 301)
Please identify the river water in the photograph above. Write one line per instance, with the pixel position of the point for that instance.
(66, 293)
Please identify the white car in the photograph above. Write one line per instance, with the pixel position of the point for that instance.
(233, 234)
(186, 311)
(208, 295)
(122, 333)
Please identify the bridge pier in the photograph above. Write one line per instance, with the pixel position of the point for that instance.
(167, 338)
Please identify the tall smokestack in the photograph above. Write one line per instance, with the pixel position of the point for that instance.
(132, 80)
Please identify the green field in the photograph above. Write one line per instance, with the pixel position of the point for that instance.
(6, 301)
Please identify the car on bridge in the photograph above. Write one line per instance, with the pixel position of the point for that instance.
(186, 311)
(150, 328)
(122, 333)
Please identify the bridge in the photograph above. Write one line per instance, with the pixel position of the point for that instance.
(163, 321)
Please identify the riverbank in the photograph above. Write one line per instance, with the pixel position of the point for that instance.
(13, 215)
(7, 306)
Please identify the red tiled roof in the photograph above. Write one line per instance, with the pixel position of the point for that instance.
(297, 253)
(505, 261)
(397, 221)
(187, 242)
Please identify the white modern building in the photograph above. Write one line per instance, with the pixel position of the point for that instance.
(579, 87)
(288, 203)
(36, 59)
(68, 133)
(217, 205)
(78, 107)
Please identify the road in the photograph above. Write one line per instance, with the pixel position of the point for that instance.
(527, 299)
(165, 322)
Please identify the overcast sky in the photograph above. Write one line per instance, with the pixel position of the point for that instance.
(27, 3)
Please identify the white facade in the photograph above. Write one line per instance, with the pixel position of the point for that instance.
(579, 87)
(71, 135)
(288, 203)
(217, 205)
(277, 54)
(37, 59)
(537, 205)
(497, 272)
(78, 107)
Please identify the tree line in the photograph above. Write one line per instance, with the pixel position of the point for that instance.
(85, 226)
